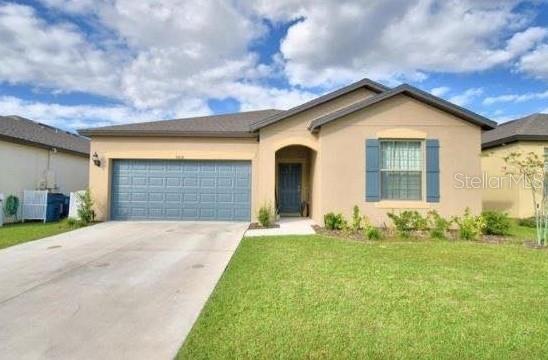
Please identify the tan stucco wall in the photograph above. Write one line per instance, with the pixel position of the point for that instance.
(294, 131)
(109, 148)
(515, 199)
(342, 147)
(336, 162)
(24, 166)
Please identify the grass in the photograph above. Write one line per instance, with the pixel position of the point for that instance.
(319, 297)
(521, 233)
(13, 234)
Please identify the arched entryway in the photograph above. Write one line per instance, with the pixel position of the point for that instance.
(295, 170)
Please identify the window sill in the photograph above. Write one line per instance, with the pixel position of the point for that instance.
(394, 204)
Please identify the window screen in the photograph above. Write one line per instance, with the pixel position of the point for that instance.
(401, 170)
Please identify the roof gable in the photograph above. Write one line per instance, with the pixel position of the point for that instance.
(364, 83)
(414, 93)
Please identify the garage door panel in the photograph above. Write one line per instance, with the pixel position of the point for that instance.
(190, 182)
(171, 181)
(173, 197)
(241, 198)
(181, 190)
(207, 182)
(242, 183)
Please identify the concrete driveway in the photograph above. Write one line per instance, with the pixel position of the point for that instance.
(116, 290)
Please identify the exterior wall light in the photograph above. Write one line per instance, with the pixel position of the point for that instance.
(95, 159)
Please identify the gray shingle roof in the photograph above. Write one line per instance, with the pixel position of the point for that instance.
(21, 130)
(532, 127)
(414, 93)
(226, 125)
(364, 83)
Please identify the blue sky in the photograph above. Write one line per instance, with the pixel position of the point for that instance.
(85, 63)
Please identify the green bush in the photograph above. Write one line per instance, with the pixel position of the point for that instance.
(86, 214)
(470, 226)
(266, 215)
(73, 222)
(528, 222)
(408, 221)
(372, 233)
(437, 225)
(496, 223)
(11, 206)
(334, 221)
(357, 221)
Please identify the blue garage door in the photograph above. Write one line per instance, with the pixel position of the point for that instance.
(181, 190)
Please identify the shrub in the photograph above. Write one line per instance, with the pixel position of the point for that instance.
(86, 214)
(73, 222)
(334, 221)
(437, 225)
(357, 221)
(11, 206)
(408, 221)
(496, 223)
(266, 215)
(470, 226)
(372, 233)
(528, 222)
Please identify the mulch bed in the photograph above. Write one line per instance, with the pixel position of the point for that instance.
(256, 226)
(391, 234)
(534, 245)
(495, 239)
(343, 234)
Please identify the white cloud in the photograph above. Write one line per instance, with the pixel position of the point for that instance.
(56, 56)
(336, 42)
(440, 91)
(515, 97)
(74, 117)
(177, 54)
(536, 62)
(466, 97)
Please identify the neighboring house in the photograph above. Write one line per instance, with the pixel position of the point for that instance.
(525, 135)
(34, 156)
(365, 144)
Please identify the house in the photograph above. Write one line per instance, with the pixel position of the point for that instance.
(35, 156)
(365, 144)
(525, 135)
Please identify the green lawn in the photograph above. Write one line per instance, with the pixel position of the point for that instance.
(521, 233)
(13, 234)
(318, 297)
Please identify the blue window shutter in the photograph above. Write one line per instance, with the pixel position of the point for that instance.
(372, 170)
(432, 170)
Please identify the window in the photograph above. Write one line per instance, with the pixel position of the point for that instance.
(401, 170)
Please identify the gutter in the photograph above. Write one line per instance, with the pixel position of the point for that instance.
(20, 141)
(165, 133)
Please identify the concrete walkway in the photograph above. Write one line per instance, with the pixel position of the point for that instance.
(288, 226)
(118, 290)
